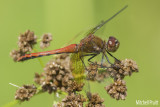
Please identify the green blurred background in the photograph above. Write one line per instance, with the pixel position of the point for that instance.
(137, 28)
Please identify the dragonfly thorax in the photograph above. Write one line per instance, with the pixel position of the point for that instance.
(91, 44)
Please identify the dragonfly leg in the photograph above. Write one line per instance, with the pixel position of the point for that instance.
(94, 55)
(102, 60)
(101, 65)
(83, 63)
(113, 65)
(107, 59)
(113, 57)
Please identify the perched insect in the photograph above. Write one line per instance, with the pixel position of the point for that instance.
(91, 45)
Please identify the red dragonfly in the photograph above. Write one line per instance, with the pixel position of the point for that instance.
(91, 45)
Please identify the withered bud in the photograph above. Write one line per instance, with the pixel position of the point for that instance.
(117, 90)
(123, 68)
(26, 41)
(73, 100)
(39, 78)
(56, 76)
(25, 92)
(94, 74)
(15, 54)
(46, 39)
(94, 100)
(74, 86)
(92, 70)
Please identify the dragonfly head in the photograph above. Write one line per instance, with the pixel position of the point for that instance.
(112, 44)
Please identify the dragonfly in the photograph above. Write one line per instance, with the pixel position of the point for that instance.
(90, 45)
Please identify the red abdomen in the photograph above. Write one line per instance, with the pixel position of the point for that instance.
(68, 49)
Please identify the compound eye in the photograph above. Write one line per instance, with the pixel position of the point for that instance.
(112, 44)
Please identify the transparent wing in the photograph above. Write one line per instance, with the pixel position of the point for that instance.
(106, 21)
(94, 29)
(82, 34)
(77, 67)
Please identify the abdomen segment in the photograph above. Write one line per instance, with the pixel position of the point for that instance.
(68, 49)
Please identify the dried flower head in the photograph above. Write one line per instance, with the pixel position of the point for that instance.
(94, 100)
(129, 66)
(64, 60)
(101, 76)
(15, 54)
(117, 90)
(26, 41)
(73, 100)
(58, 104)
(121, 69)
(74, 86)
(46, 39)
(92, 71)
(25, 92)
(94, 74)
(56, 77)
(39, 78)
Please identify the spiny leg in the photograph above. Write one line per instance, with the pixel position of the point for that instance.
(83, 63)
(101, 65)
(113, 57)
(112, 65)
(102, 60)
(92, 56)
(81, 57)
(107, 59)
(89, 60)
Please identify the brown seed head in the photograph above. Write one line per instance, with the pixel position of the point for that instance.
(121, 69)
(26, 41)
(74, 86)
(94, 74)
(46, 39)
(39, 78)
(94, 100)
(92, 70)
(25, 92)
(56, 75)
(15, 54)
(117, 90)
(73, 100)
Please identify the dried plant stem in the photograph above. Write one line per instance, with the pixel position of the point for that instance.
(39, 59)
(14, 102)
(39, 40)
(11, 104)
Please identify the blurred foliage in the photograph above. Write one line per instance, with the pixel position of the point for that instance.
(137, 29)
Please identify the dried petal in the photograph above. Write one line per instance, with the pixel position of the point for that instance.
(46, 39)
